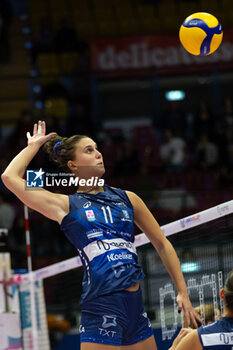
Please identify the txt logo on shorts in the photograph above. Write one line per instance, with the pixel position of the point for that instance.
(109, 320)
(35, 178)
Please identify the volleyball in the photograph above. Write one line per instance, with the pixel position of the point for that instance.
(201, 34)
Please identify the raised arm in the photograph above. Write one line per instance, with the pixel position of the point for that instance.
(147, 223)
(52, 205)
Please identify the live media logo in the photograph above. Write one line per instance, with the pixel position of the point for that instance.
(38, 179)
(35, 178)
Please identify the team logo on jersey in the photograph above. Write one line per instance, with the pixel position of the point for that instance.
(90, 215)
(119, 204)
(111, 232)
(126, 216)
(94, 233)
(109, 320)
(100, 200)
(126, 234)
(123, 255)
(86, 205)
(99, 247)
(118, 243)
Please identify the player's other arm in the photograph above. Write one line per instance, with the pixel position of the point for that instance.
(52, 205)
(147, 223)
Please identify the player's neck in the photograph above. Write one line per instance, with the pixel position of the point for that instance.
(228, 313)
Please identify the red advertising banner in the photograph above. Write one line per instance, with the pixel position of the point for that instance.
(162, 54)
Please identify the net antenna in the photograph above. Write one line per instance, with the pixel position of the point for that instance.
(30, 272)
(5, 272)
(31, 277)
(10, 334)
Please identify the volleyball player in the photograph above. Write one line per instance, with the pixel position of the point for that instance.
(99, 222)
(216, 336)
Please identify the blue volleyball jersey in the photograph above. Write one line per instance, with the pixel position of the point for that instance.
(100, 226)
(218, 335)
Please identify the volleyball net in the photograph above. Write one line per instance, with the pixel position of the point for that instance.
(203, 242)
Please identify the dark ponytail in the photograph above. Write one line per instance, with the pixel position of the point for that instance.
(228, 291)
(62, 149)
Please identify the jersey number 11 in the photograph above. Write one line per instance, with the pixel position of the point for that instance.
(107, 213)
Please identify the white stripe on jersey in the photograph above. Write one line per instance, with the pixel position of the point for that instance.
(95, 234)
(224, 338)
(100, 247)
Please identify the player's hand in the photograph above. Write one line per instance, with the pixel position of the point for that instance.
(190, 313)
(183, 332)
(39, 136)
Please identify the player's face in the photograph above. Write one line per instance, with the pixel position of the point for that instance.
(88, 159)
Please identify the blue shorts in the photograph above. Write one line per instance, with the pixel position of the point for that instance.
(118, 318)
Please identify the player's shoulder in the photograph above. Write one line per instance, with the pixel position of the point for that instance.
(114, 189)
(133, 196)
(125, 195)
(211, 328)
(136, 202)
